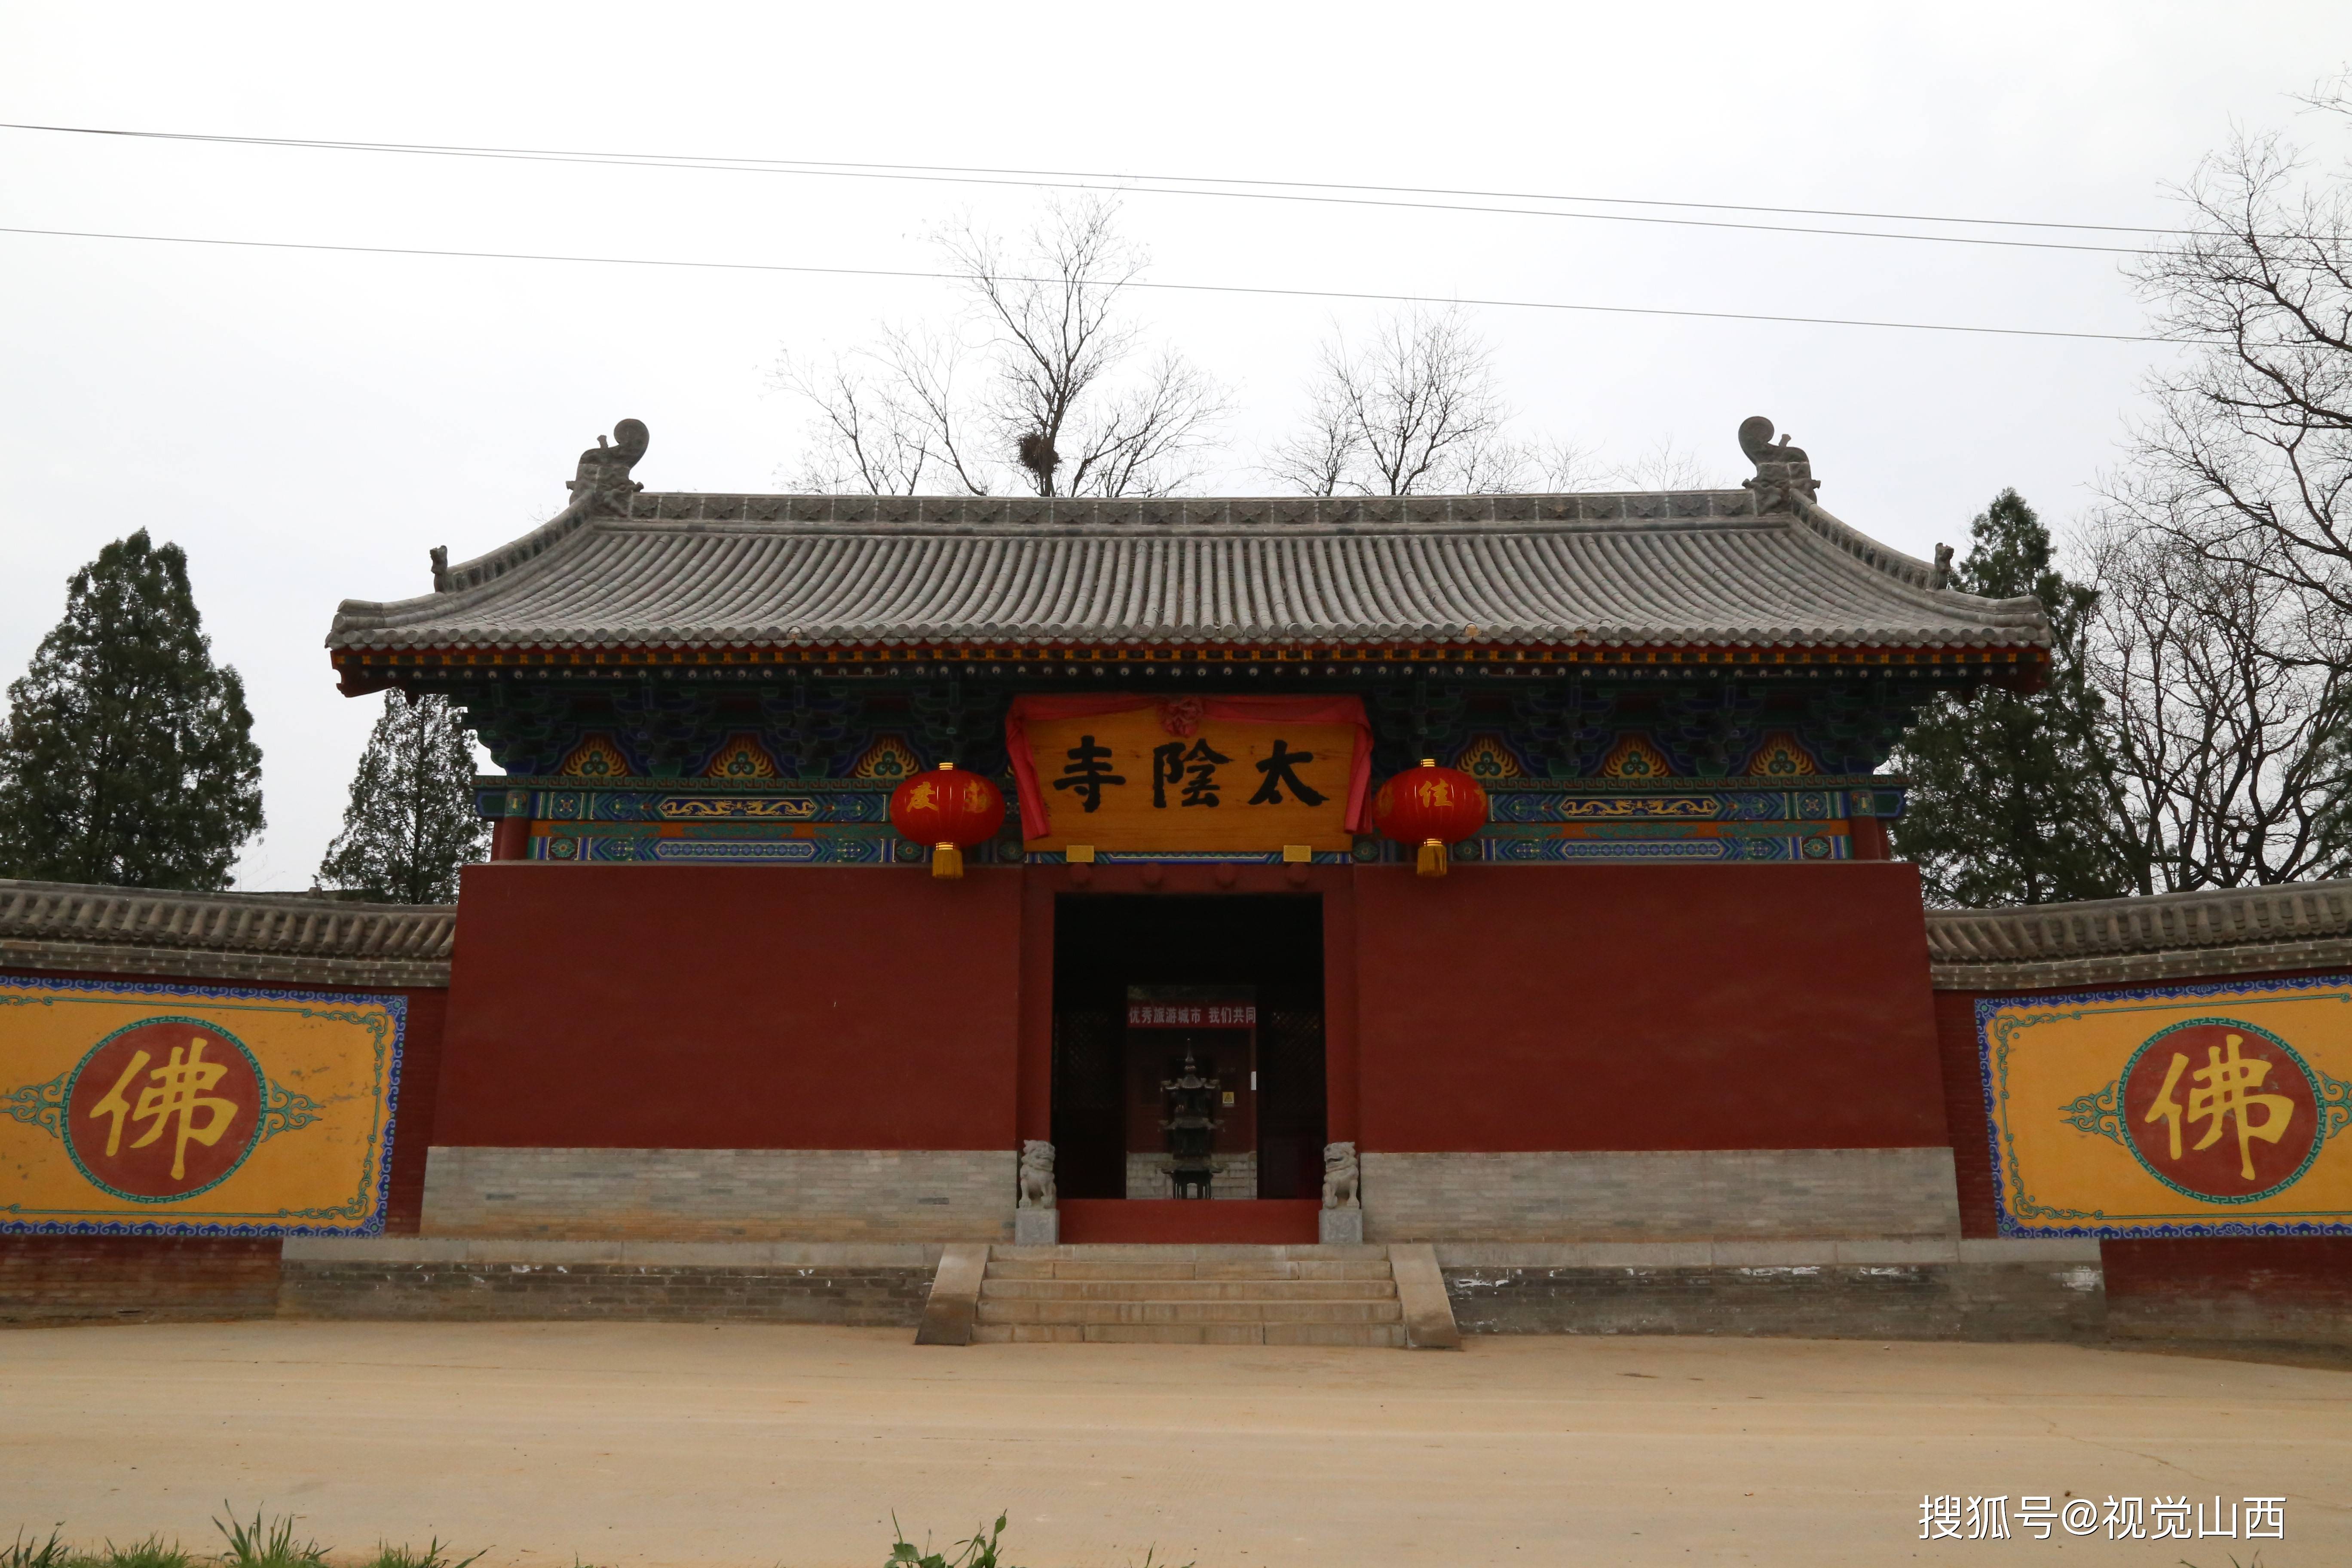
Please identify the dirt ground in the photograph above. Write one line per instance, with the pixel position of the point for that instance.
(752, 1446)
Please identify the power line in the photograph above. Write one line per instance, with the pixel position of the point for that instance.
(1137, 283)
(1177, 186)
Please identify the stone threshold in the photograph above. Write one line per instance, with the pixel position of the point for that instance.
(493, 1250)
(1796, 1253)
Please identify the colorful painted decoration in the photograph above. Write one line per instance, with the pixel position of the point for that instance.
(1430, 807)
(951, 810)
(1489, 757)
(595, 757)
(159, 1110)
(889, 757)
(1635, 757)
(1781, 756)
(742, 757)
(2214, 1110)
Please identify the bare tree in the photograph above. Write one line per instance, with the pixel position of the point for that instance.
(2223, 712)
(885, 418)
(1068, 402)
(2249, 453)
(2223, 552)
(1415, 411)
(1563, 467)
(1668, 467)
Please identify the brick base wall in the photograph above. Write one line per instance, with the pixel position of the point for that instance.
(474, 1292)
(102, 1278)
(1609, 1195)
(1971, 1297)
(2296, 1290)
(722, 1194)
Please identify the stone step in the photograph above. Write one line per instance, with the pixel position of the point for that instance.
(1112, 1270)
(1189, 1252)
(992, 1289)
(1373, 1336)
(995, 1310)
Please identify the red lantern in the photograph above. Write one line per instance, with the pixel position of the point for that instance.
(951, 810)
(1432, 807)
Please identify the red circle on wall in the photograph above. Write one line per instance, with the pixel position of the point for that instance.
(163, 1109)
(2220, 1109)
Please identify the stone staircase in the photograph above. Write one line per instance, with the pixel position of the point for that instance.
(1214, 1295)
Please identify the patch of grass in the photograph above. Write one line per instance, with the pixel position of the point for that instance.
(23, 1553)
(152, 1552)
(980, 1550)
(267, 1545)
(434, 1556)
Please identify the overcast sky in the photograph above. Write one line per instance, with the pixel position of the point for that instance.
(309, 425)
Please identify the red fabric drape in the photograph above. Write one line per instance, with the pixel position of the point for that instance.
(1037, 821)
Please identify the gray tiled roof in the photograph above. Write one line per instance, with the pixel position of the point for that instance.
(287, 937)
(2212, 932)
(1701, 568)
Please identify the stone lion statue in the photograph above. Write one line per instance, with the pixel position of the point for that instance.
(1036, 1174)
(1342, 1174)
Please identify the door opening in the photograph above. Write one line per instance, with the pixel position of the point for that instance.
(1252, 966)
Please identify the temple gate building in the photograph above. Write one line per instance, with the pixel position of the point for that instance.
(704, 948)
(1662, 990)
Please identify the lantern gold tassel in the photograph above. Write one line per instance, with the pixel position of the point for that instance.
(947, 862)
(1431, 862)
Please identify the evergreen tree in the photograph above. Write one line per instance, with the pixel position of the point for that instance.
(128, 757)
(411, 822)
(2006, 804)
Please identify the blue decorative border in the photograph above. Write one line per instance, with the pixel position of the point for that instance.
(393, 1003)
(1988, 1006)
(845, 822)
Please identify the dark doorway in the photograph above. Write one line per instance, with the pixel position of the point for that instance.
(1269, 946)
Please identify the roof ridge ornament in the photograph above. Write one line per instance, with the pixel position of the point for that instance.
(1784, 473)
(602, 483)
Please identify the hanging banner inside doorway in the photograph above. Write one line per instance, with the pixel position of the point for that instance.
(2195, 1111)
(1202, 774)
(162, 1110)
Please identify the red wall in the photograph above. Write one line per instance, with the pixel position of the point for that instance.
(1964, 1109)
(1646, 1007)
(412, 1127)
(731, 1008)
(2151, 1266)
